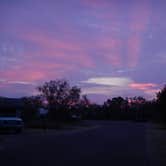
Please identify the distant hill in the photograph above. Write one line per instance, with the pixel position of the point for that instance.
(10, 102)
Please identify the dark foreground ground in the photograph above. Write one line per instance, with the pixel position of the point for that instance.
(105, 143)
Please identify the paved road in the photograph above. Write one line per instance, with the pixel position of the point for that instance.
(109, 143)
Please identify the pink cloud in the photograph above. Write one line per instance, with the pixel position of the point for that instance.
(35, 69)
(134, 47)
(82, 59)
(50, 42)
(22, 75)
(71, 51)
(30, 73)
(95, 3)
(111, 50)
(108, 42)
(152, 90)
(140, 14)
(40, 61)
(51, 59)
(149, 89)
(103, 10)
(3, 85)
(113, 58)
(77, 59)
(143, 86)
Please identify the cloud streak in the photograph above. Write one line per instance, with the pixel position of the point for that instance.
(143, 86)
(114, 86)
(110, 81)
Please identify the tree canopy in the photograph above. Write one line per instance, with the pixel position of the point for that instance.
(59, 93)
(161, 102)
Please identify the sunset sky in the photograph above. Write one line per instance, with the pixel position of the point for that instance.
(106, 47)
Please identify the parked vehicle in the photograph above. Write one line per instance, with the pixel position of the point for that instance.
(13, 124)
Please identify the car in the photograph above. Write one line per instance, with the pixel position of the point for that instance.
(13, 124)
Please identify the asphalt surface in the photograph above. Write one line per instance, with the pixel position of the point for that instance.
(106, 143)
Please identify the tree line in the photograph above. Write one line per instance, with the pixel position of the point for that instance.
(62, 101)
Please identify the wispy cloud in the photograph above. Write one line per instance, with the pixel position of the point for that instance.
(97, 90)
(49, 42)
(134, 47)
(24, 75)
(122, 86)
(110, 81)
(140, 19)
(64, 50)
(22, 83)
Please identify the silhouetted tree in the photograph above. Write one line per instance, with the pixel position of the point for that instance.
(149, 110)
(31, 105)
(161, 102)
(59, 96)
(117, 103)
(85, 102)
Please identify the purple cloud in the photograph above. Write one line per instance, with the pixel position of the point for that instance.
(81, 40)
